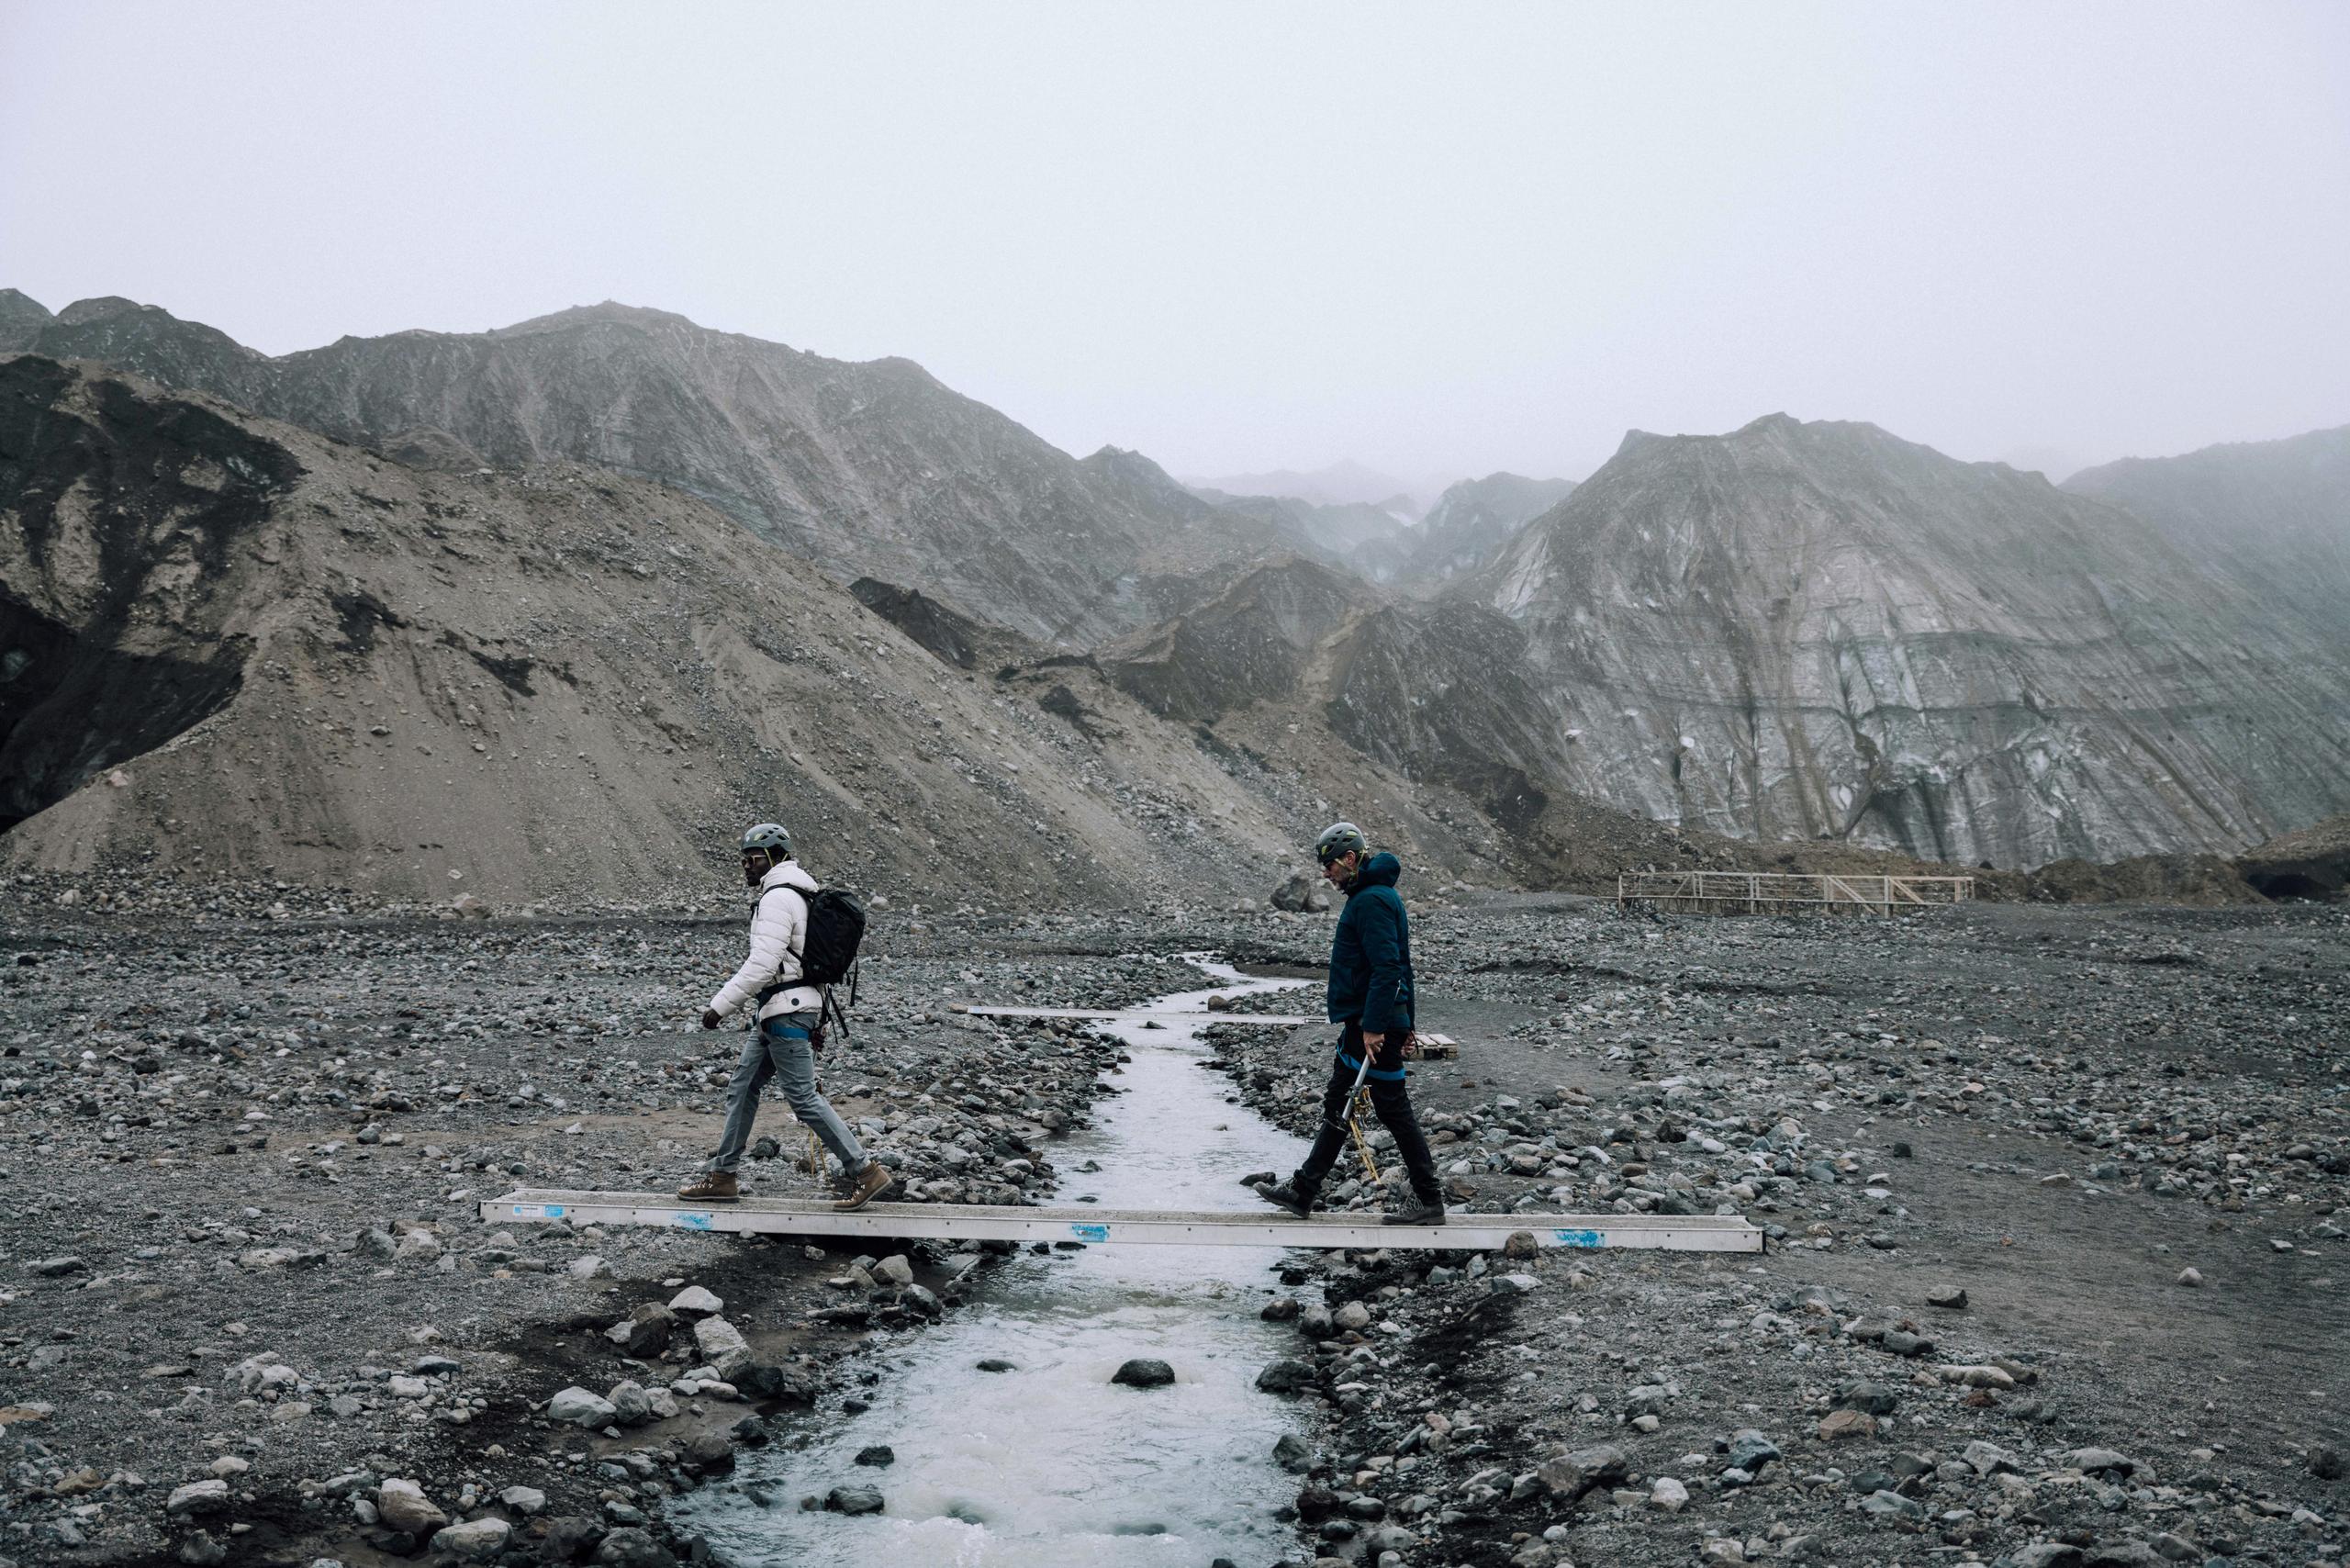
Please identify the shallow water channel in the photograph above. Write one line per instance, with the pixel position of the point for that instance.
(1050, 1465)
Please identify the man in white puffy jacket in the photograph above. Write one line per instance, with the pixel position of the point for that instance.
(782, 1045)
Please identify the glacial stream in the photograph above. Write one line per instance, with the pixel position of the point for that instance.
(1049, 1465)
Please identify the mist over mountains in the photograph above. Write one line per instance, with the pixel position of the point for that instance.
(1791, 632)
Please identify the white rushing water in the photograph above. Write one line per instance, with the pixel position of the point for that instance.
(1050, 1465)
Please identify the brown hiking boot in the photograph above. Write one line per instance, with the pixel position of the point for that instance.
(716, 1187)
(869, 1182)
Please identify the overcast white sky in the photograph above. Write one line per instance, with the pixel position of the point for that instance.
(1440, 239)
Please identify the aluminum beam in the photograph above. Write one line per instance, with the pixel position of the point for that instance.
(1269, 1227)
(1194, 1016)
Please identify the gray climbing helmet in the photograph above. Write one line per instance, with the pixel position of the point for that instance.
(1339, 838)
(770, 836)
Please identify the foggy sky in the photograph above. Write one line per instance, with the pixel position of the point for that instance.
(1440, 239)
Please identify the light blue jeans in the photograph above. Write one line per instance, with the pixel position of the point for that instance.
(778, 1050)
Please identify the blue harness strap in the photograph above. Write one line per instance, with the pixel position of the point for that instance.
(1354, 1064)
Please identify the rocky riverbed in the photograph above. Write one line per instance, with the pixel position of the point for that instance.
(2058, 1263)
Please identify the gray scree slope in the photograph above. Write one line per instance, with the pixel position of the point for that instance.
(1816, 629)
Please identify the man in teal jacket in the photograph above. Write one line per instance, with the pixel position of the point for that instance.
(1370, 1000)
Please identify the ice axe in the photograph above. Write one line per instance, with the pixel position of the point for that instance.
(1353, 1128)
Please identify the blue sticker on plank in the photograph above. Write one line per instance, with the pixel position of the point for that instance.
(1089, 1232)
(691, 1220)
(1580, 1237)
(537, 1211)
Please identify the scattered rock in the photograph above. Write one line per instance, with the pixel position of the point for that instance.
(696, 1302)
(472, 1540)
(198, 1499)
(404, 1507)
(580, 1408)
(1285, 1377)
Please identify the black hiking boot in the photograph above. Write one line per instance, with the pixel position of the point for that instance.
(1418, 1210)
(1285, 1195)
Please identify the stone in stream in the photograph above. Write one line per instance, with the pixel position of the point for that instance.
(1291, 1454)
(994, 1364)
(1286, 1376)
(1143, 1372)
(881, 1456)
(708, 1452)
(853, 1500)
(1281, 1309)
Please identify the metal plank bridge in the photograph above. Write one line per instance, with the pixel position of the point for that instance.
(1094, 1226)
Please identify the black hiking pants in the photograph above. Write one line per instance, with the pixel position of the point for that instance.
(1389, 1101)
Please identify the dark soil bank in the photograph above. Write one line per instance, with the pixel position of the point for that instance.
(244, 1296)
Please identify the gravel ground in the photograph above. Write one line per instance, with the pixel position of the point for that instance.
(2057, 1272)
(244, 1155)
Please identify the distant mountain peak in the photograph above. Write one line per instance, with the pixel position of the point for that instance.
(21, 319)
(101, 307)
(608, 310)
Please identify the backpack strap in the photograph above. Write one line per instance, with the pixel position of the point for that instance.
(773, 988)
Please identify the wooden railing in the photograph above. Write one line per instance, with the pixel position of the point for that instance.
(1776, 893)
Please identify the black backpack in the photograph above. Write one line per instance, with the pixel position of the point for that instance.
(827, 949)
(835, 926)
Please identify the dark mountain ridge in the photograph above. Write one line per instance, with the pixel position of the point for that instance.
(871, 469)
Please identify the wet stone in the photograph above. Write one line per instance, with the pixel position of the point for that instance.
(1143, 1372)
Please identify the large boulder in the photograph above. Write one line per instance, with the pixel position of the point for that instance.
(1301, 894)
(403, 1505)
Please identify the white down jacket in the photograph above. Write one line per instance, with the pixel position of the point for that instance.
(779, 933)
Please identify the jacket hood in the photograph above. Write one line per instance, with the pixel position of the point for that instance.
(1379, 871)
(790, 874)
